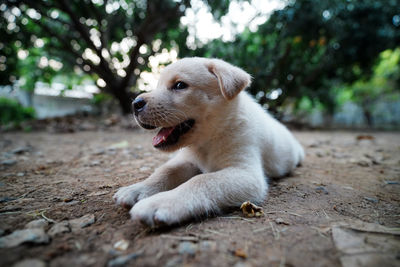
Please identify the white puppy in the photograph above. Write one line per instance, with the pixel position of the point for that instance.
(227, 144)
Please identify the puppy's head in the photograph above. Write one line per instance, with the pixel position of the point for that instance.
(190, 95)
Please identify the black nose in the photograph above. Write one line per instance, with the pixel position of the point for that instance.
(138, 105)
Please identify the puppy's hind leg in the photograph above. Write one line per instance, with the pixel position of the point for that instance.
(203, 194)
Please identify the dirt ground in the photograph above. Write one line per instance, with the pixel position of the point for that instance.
(347, 178)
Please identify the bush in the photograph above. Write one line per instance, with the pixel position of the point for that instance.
(13, 112)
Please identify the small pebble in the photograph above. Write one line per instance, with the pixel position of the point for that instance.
(207, 245)
(187, 248)
(37, 236)
(121, 245)
(122, 260)
(321, 189)
(8, 162)
(371, 199)
(81, 222)
(59, 228)
(30, 263)
(281, 221)
(40, 223)
(391, 182)
(20, 150)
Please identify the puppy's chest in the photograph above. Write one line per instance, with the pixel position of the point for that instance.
(211, 161)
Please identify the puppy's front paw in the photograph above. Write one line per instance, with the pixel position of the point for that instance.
(128, 196)
(161, 209)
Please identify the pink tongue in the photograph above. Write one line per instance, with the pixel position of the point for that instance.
(162, 136)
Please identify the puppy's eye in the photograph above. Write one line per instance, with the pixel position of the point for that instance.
(179, 86)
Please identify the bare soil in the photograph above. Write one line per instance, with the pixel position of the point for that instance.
(346, 177)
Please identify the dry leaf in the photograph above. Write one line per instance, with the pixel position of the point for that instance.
(240, 253)
(251, 210)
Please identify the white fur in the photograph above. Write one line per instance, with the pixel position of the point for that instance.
(223, 160)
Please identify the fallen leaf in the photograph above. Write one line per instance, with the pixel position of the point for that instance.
(251, 210)
(365, 137)
(240, 253)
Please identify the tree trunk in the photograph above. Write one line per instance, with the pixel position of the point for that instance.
(124, 99)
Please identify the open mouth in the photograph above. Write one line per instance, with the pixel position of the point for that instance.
(170, 135)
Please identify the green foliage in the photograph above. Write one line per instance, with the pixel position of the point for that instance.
(100, 98)
(13, 112)
(101, 38)
(310, 47)
(383, 84)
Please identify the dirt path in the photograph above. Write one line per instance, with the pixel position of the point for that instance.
(61, 177)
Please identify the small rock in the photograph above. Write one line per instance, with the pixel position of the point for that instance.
(371, 199)
(242, 264)
(187, 248)
(20, 174)
(94, 163)
(100, 151)
(82, 222)
(175, 261)
(364, 163)
(59, 228)
(208, 245)
(21, 150)
(41, 223)
(281, 221)
(144, 169)
(30, 263)
(122, 260)
(121, 245)
(321, 189)
(37, 236)
(391, 182)
(8, 162)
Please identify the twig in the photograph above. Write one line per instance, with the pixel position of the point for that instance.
(215, 232)
(282, 211)
(236, 217)
(181, 238)
(275, 231)
(261, 229)
(282, 263)
(47, 219)
(326, 215)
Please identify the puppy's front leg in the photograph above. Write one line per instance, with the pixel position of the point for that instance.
(202, 195)
(173, 173)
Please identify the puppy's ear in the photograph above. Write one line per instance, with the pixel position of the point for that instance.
(231, 79)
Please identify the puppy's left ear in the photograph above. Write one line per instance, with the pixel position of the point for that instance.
(231, 79)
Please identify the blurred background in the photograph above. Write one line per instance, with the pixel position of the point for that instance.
(318, 64)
